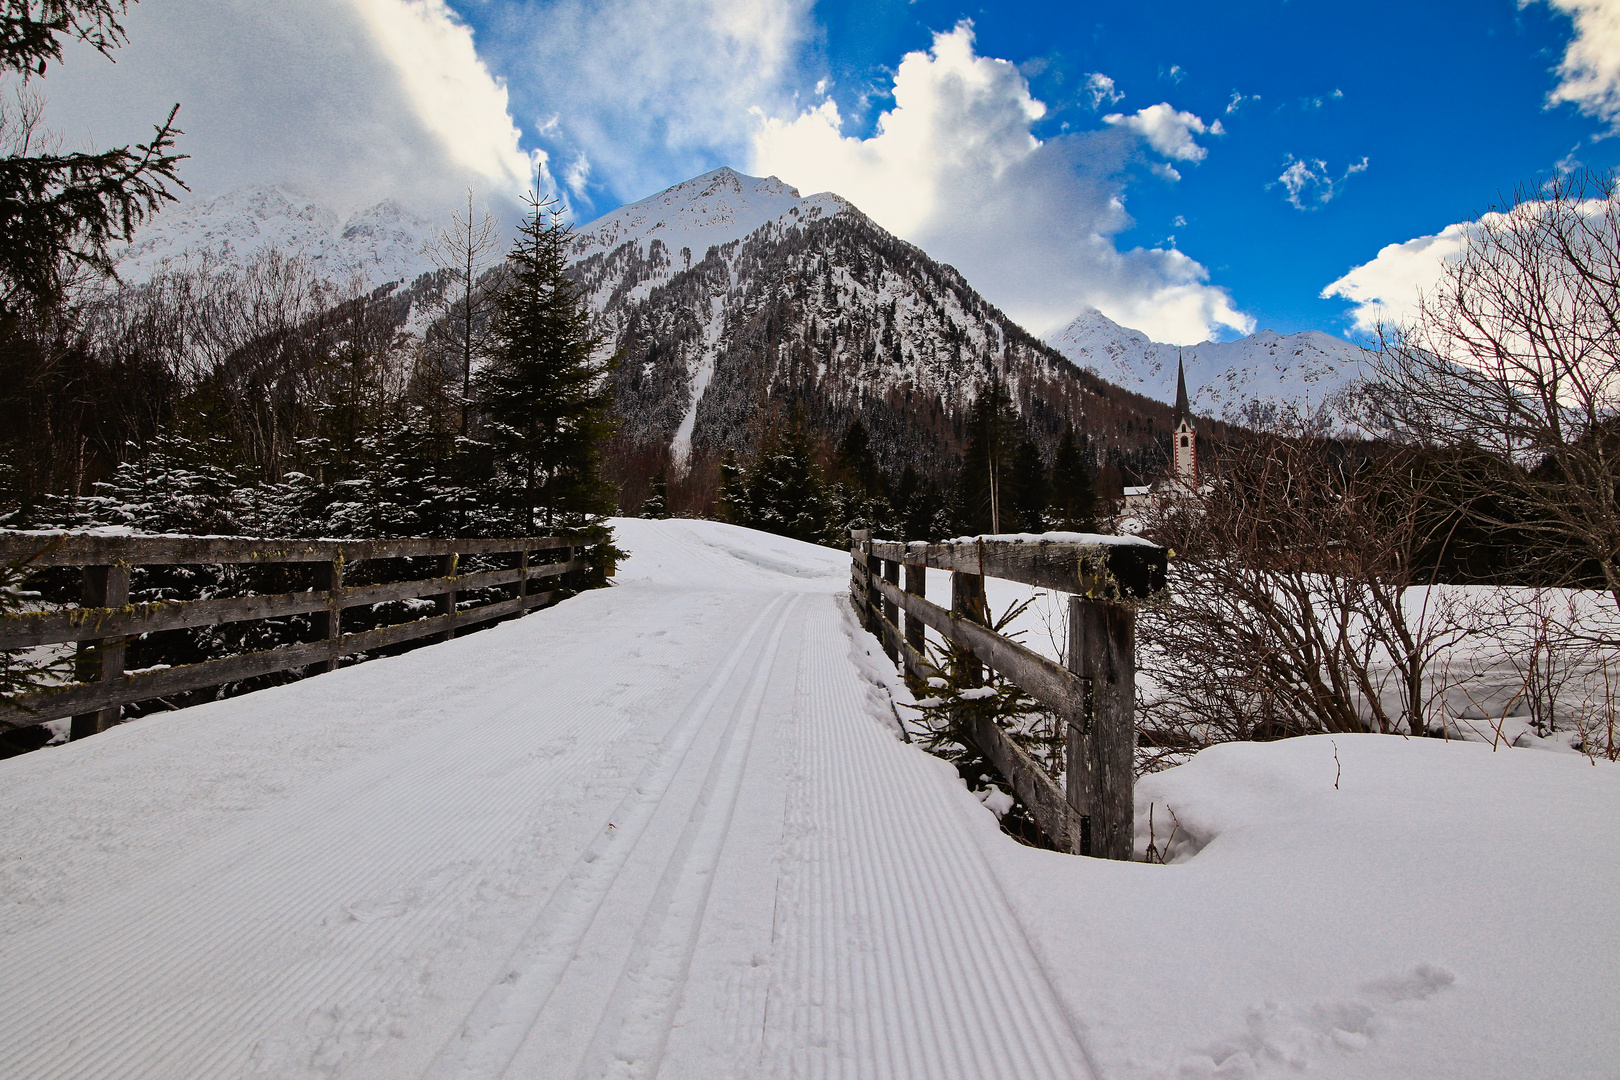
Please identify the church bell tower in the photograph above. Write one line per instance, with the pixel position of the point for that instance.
(1184, 440)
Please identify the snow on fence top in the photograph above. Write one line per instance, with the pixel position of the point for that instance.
(1117, 569)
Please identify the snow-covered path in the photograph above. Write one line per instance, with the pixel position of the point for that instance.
(660, 830)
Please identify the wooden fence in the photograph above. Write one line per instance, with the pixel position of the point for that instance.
(106, 622)
(1094, 694)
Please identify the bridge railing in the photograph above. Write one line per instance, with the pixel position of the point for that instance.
(106, 622)
(1093, 693)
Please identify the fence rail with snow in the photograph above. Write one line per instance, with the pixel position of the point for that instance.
(106, 622)
(1094, 694)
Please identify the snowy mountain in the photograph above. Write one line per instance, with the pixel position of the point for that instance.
(1223, 377)
(381, 243)
(691, 217)
(735, 301)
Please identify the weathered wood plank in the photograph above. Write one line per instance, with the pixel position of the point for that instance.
(1038, 792)
(1120, 572)
(1053, 686)
(128, 689)
(20, 630)
(24, 629)
(1102, 736)
(78, 549)
(916, 640)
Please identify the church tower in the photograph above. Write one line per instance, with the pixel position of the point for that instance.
(1183, 439)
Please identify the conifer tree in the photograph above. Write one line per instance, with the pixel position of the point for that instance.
(545, 389)
(1027, 489)
(731, 501)
(993, 432)
(787, 493)
(657, 504)
(1074, 488)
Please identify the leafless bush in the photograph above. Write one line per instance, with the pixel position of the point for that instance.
(1296, 603)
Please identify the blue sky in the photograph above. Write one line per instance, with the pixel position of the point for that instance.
(1189, 169)
(1445, 103)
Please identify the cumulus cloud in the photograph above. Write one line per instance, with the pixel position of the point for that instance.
(1386, 290)
(1100, 88)
(1589, 74)
(956, 168)
(653, 91)
(351, 100)
(1168, 131)
(1310, 185)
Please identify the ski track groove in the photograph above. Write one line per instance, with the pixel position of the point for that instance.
(670, 926)
(310, 935)
(494, 1032)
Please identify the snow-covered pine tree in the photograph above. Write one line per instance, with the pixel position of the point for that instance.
(657, 504)
(544, 390)
(731, 501)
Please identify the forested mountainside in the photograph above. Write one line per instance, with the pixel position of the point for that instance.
(822, 313)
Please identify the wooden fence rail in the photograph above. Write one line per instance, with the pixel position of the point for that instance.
(106, 622)
(1094, 693)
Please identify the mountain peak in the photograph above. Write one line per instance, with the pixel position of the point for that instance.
(715, 208)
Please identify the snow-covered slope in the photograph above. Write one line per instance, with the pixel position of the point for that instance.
(380, 243)
(668, 829)
(1223, 377)
(715, 208)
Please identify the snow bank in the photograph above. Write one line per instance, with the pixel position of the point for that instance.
(1347, 906)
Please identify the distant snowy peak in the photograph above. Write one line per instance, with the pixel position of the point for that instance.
(382, 243)
(1223, 377)
(715, 208)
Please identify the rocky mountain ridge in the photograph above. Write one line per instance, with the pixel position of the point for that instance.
(1232, 380)
(382, 243)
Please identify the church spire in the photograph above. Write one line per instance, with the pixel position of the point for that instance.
(1183, 411)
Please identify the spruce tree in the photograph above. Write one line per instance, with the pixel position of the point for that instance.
(1074, 488)
(731, 501)
(657, 504)
(1026, 490)
(993, 431)
(545, 390)
(787, 493)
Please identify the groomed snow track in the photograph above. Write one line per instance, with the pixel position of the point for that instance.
(664, 829)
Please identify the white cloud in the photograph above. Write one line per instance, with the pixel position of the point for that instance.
(1589, 74)
(1100, 88)
(955, 167)
(1386, 290)
(653, 91)
(1168, 131)
(1309, 183)
(350, 100)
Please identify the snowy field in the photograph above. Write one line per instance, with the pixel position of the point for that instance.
(668, 829)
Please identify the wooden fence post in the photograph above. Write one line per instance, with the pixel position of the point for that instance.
(523, 580)
(967, 602)
(329, 624)
(891, 610)
(446, 602)
(101, 659)
(859, 590)
(1102, 740)
(916, 585)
